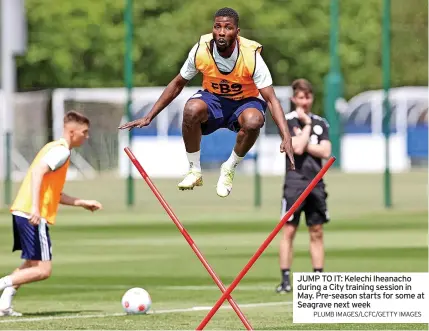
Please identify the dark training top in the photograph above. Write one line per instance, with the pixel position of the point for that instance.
(306, 165)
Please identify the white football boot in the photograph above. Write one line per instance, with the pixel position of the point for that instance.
(193, 178)
(224, 184)
(9, 312)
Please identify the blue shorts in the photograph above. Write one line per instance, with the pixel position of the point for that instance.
(224, 112)
(33, 241)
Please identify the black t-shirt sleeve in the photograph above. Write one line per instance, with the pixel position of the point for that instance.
(325, 133)
(293, 123)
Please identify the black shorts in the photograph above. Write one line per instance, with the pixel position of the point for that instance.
(314, 206)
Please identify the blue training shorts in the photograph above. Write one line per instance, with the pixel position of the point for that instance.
(224, 112)
(33, 241)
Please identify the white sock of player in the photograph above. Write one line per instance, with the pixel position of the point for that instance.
(7, 297)
(194, 161)
(5, 282)
(233, 160)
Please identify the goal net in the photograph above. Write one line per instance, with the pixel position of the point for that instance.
(29, 130)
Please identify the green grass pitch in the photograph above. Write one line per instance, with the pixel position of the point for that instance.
(97, 257)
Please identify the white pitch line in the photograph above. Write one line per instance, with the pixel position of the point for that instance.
(165, 311)
(215, 288)
(164, 287)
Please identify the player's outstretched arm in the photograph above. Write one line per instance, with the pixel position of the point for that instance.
(172, 90)
(277, 113)
(91, 205)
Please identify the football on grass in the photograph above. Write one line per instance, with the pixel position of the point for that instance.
(136, 301)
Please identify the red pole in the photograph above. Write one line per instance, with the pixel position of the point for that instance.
(267, 241)
(187, 236)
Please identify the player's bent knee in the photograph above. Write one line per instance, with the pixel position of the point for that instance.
(253, 122)
(44, 275)
(195, 112)
(45, 270)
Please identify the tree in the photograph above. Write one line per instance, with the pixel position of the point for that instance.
(81, 43)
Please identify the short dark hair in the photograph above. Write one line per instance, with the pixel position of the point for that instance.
(228, 12)
(74, 116)
(302, 85)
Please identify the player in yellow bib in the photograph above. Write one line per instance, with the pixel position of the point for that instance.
(234, 75)
(35, 209)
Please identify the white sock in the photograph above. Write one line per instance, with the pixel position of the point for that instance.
(233, 160)
(194, 160)
(7, 297)
(5, 282)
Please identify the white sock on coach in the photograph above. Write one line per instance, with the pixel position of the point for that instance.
(5, 282)
(7, 297)
(194, 160)
(233, 160)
